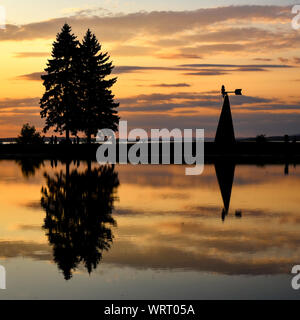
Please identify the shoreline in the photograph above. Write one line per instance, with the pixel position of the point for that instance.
(241, 152)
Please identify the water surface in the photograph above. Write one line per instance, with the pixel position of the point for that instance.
(82, 231)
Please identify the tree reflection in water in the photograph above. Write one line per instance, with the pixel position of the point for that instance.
(78, 219)
(29, 166)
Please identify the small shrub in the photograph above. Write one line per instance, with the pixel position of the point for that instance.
(29, 135)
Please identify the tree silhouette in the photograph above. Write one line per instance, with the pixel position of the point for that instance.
(29, 135)
(78, 216)
(59, 103)
(261, 138)
(97, 101)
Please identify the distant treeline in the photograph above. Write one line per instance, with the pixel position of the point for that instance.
(250, 139)
(275, 138)
(46, 139)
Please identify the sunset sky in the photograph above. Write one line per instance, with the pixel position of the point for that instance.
(171, 59)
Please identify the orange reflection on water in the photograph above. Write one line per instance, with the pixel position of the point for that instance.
(166, 220)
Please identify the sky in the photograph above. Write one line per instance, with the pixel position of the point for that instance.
(171, 59)
(20, 12)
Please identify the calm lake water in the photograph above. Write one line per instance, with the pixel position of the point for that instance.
(82, 231)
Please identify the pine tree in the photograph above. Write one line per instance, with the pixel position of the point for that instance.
(59, 103)
(97, 101)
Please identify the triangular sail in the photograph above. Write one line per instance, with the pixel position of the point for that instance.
(225, 132)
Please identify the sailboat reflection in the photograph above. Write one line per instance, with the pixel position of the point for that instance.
(225, 174)
(78, 221)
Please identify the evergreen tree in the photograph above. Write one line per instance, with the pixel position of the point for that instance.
(59, 103)
(97, 101)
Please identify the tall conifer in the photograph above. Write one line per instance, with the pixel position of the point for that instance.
(59, 103)
(98, 108)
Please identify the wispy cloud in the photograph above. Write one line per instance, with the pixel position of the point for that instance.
(293, 60)
(31, 54)
(153, 31)
(185, 69)
(35, 76)
(203, 69)
(207, 65)
(171, 85)
(177, 56)
(137, 69)
(19, 102)
(159, 102)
